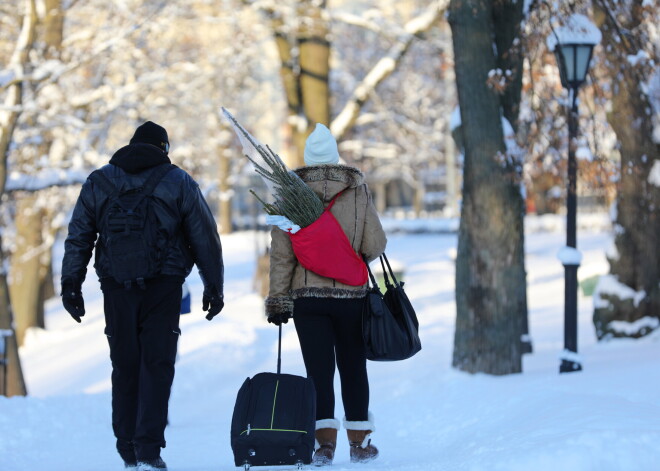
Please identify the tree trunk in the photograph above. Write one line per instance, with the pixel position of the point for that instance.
(313, 33)
(53, 28)
(304, 55)
(224, 190)
(8, 118)
(314, 69)
(13, 383)
(490, 298)
(636, 269)
(507, 18)
(26, 268)
(30, 262)
(47, 282)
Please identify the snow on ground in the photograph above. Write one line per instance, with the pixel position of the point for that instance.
(428, 415)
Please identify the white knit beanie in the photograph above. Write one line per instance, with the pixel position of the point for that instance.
(321, 147)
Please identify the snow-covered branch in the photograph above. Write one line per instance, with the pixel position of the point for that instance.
(45, 179)
(384, 68)
(358, 20)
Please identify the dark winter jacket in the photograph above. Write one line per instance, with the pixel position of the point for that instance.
(178, 204)
(355, 212)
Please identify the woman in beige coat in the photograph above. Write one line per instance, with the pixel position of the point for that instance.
(328, 314)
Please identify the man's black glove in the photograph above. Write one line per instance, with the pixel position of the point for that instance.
(279, 318)
(72, 299)
(213, 302)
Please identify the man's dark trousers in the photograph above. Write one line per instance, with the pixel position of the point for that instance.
(142, 326)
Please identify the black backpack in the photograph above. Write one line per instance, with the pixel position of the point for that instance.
(129, 229)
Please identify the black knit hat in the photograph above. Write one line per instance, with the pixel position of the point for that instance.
(151, 133)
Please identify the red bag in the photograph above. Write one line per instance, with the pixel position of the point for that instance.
(322, 247)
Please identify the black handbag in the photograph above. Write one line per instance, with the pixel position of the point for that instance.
(389, 323)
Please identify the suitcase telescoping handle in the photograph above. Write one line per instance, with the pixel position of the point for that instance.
(279, 351)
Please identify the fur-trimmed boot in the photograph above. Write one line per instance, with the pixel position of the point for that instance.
(326, 442)
(359, 438)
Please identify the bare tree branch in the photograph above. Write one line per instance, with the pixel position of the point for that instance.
(384, 67)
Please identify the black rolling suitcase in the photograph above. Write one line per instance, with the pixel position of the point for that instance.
(274, 419)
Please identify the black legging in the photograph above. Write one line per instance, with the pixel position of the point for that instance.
(330, 328)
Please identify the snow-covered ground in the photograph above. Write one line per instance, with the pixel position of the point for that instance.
(428, 415)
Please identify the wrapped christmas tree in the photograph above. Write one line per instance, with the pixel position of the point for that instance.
(292, 198)
(317, 238)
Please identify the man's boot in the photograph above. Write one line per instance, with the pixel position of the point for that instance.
(359, 438)
(326, 442)
(156, 464)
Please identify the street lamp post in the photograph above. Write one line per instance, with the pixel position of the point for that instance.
(573, 45)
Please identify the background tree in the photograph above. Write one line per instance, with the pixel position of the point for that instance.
(14, 77)
(31, 280)
(631, 292)
(300, 29)
(490, 272)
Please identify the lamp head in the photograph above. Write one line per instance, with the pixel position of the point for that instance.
(573, 61)
(573, 43)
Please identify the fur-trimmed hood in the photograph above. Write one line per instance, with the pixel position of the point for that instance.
(328, 180)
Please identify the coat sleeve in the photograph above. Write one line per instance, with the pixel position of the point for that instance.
(201, 234)
(373, 235)
(82, 232)
(282, 265)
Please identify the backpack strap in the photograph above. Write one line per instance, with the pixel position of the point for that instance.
(154, 179)
(151, 183)
(147, 189)
(105, 184)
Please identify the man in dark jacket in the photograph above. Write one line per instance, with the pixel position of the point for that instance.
(142, 317)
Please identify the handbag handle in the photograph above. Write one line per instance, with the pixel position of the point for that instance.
(387, 279)
(396, 283)
(374, 284)
(389, 268)
(382, 258)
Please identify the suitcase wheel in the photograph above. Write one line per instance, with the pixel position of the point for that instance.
(246, 463)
